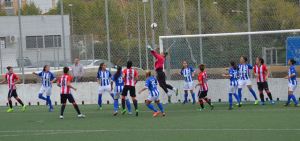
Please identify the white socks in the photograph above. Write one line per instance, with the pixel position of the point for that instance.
(174, 89)
(168, 93)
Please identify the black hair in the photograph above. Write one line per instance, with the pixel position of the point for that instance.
(183, 67)
(202, 67)
(66, 69)
(262, 61)
(8, 68)
(45, 67)
(118, 73)
(232, 63)
(100, 67)
(165, 53)
(129, 64)
(293, 61)
(245, 58)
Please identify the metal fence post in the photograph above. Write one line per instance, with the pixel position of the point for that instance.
(93, 52)
(54, 50)
(200, 31)
(146, 42)
(63, 28)
(85, 48)
(37, 50)
(107, 32)
(249, 36)
(153, 37)
(57, 49)
(20, 39)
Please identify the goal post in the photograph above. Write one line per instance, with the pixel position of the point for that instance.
(218, 49)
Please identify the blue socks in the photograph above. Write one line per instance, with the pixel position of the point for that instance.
(193, 96)
(294, 98)
(112, 95)
(237, 98)
(41, 97)
(289, 99)
(253, 93)
(151, 107)
(128, 105)
(49, 101)
(240, 94)
(116, 103)
(185, 97)
(161, 107)
(230, 100)
(100, 100)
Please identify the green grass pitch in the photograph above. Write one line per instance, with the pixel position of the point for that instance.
(182, 122)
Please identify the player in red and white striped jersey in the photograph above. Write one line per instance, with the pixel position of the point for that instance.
(12, 79)
(260, 71)
(130, 78)
(64, 82)
(202, 78)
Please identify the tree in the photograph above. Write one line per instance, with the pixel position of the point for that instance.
(3, 13)
(30, 9)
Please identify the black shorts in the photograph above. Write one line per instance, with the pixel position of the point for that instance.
(262, 86)
(12, 93)
(129, 88)
(65, 97)
(202, 94)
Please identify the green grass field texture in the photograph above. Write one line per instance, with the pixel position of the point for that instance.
(182, 122)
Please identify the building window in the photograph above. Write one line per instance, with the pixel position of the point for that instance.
(34, 42)
(52, 41)
(2, 42)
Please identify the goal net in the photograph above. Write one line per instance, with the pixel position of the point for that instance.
(217, 50)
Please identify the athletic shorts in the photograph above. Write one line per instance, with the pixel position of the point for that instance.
(103, 89)
(131, 89)
(292, 87)
(117, 95)
(232, 89)
(188, 85)
(262, 86)
(202, 94)
(65, 97)
(242, 83)
(46, 89)
(12, 93)
(153, 98)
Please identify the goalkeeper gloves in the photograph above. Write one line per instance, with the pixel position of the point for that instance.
(150, 47)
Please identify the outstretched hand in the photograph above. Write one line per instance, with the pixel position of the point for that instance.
(150, 47)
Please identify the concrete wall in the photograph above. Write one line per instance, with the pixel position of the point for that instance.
(88, 92)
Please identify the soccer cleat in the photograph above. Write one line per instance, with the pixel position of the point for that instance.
(116, 112)
(194, 102)
(272, 101)
(24, 107)
(201, 109)
(169, 99)
(256, 102)
(136, 112)
(124, 111)
(50, 110)
(130, 113)
(262, 103)
(212, 106)
(184, 102)
(230, 108)
(99, 108)
(163, 114)
(287, 104)
(176, 91)
(296, 105)
(10, 110)
(81, 116)
(240, 105)
(156, 113)
(119, 107)
(61, 117)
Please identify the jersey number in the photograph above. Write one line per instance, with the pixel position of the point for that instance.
(120, 80)
(63, 83)
(130, 76)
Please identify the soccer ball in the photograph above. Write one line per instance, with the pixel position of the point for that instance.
(154, 25)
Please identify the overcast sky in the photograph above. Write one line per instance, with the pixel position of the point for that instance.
(44, 5)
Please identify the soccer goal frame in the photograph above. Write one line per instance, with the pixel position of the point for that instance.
(161, 38)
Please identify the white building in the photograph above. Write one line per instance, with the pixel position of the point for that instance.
(41, 38)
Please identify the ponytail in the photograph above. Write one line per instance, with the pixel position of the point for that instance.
(262, 61)
(183, 67)
(100, 67)
(232, 63)
(293, 61)
(45, 67)
(118, 73)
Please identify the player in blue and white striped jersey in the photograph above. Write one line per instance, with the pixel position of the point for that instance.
(233, 77)
(151, 83)
(243, 70)
(188, 73)
(103, 78)
(292, 83)
(117, 77)
(48, 78)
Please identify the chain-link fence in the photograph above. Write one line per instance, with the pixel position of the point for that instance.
(79, 29)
